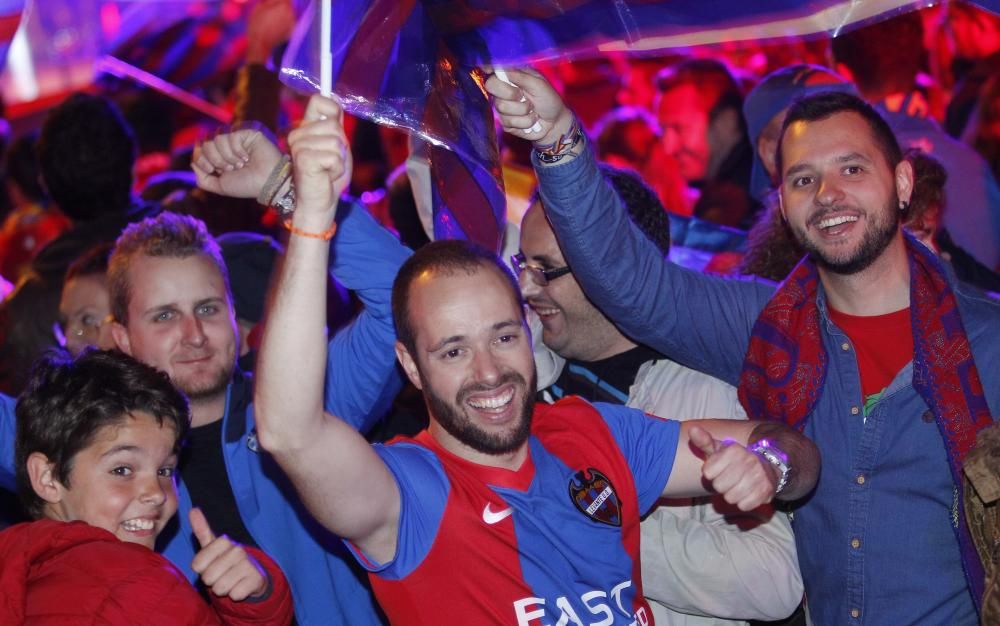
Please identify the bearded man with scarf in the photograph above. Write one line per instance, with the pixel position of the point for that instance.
(870, 346)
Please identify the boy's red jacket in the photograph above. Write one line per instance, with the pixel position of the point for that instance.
(73, 573)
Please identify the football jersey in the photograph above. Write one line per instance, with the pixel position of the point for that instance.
(553, 542)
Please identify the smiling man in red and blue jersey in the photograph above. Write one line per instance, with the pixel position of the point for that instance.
(500, 512)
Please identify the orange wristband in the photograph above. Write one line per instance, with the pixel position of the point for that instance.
(326, 235)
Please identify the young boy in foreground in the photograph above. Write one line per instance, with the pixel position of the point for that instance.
(97, 443)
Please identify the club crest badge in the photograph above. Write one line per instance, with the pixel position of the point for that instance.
(595, 496)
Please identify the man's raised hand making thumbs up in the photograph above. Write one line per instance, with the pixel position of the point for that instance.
(746, 476)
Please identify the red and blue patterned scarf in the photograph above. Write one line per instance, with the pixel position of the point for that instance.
(785, 368)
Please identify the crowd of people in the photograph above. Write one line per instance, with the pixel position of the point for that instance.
(734, 362)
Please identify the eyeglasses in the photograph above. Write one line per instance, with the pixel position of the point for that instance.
(86, 328)
(541, 276)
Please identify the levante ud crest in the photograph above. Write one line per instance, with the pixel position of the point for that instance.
(594, 495)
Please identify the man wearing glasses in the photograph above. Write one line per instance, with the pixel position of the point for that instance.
(601, 362)
(698, 566)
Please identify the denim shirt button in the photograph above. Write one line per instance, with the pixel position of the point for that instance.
(855, 410)
(855, 543)
(855, 613)
(845, 346)
(860, 479)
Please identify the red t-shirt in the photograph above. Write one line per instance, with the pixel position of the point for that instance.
(883, 343)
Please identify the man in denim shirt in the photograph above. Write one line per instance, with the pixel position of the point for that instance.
(871, 346)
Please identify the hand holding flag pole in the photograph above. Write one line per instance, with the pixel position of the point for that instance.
(502, 75)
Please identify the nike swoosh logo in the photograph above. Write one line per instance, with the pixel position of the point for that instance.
(492, 517)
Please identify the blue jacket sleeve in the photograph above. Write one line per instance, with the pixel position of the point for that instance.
(701, 321)
(8, 432)
(361, 374)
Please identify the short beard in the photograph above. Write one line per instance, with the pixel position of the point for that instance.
(210, 390)
(456, 422)
(876, 239)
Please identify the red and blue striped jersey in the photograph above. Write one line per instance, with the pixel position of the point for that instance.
(554, 542)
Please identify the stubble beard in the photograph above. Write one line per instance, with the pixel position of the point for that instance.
(202, 389)
(877, 237)
(454, 418)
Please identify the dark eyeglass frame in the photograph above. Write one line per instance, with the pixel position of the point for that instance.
(541, 276)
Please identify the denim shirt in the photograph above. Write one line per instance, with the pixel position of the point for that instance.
(876, 540)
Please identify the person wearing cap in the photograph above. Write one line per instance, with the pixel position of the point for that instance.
(771, 251)
(764, 109)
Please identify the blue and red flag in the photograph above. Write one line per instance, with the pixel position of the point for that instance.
(993, 6)
(412, 64)
(391, 65)
(188, 44)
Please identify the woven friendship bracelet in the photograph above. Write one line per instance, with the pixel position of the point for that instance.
(326, 235)
(275, 180)
(553, 153)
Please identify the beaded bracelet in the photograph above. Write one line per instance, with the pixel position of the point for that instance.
(326, 235)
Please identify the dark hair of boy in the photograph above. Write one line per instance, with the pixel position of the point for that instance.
(68, 401)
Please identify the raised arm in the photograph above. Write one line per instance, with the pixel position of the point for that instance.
(361, 374)
(235, 164)
(703, 322)
(340, 478)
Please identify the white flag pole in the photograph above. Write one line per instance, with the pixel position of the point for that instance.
(325, 55)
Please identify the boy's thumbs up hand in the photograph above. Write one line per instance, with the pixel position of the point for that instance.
(224, 566)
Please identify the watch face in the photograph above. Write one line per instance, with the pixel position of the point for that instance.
(775, 457)
(286, 205)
